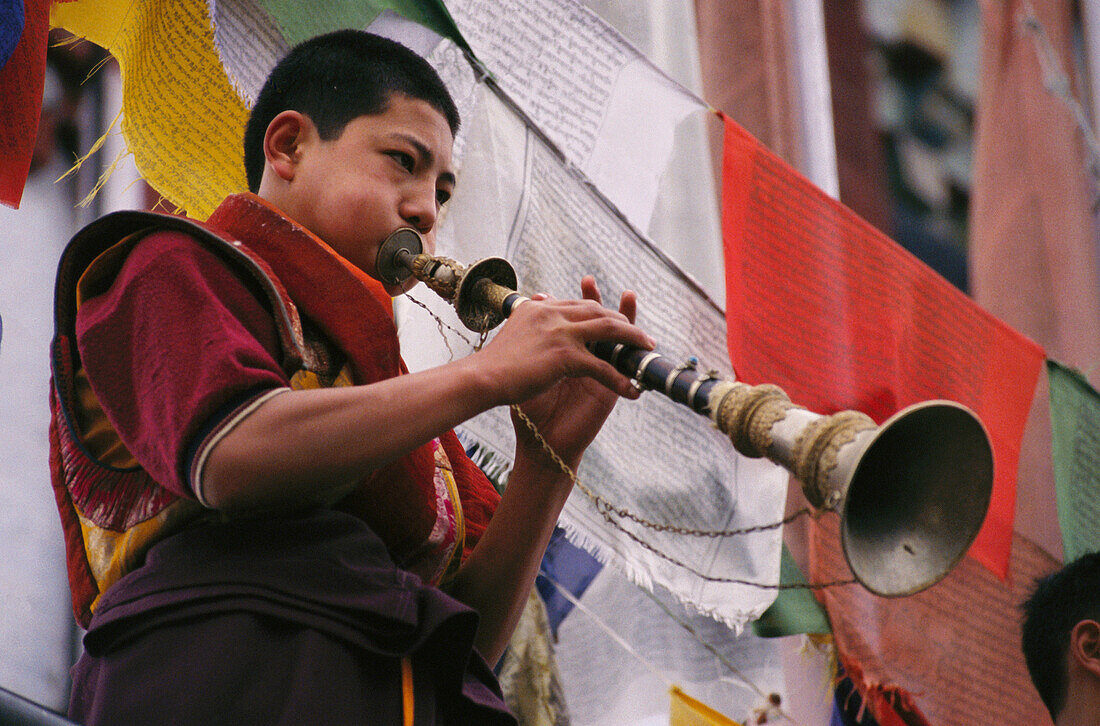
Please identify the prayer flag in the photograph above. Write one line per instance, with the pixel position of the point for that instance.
(301, 21)
(190, 72)
(11, 28)
(609, 110)
(21, 82)
(568, 566)
(1033, 252)
(180, 116)
(951, 653)
(623, 677)
(1075, 424)
(528, 672)
(795, 611)
(841, 317)
(252, 35)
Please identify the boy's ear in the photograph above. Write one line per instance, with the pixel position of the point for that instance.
(1084, 646)
(283, 142)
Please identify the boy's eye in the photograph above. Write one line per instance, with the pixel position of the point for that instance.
(407, 162)
(441, 196)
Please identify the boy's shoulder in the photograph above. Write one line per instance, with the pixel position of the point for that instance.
(97, 253)
(161, 252)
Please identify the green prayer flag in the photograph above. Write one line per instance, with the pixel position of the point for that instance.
(795, 611)
(1075, 433)
(300, 21)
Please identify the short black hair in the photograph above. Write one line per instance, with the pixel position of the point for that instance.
(335, 78)
(1059, 602)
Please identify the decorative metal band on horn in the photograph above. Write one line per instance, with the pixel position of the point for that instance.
(911, 493)
(752, 416)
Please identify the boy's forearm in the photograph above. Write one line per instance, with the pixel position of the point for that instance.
(307, 447)
(497, 577)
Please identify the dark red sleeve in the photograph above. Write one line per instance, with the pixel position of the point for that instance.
(177, 339)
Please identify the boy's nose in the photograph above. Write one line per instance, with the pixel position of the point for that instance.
(419, 210)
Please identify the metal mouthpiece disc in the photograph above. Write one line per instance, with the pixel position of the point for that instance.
(403, 244)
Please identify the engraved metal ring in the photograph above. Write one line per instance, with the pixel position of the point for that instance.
(710, 375)
(614, 360)
(642, 365)
(688, 365)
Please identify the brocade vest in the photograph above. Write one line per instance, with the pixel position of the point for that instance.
(112, 514)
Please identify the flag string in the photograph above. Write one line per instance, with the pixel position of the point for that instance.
(1057, 84)
(766, 697)
(599, 622)
(652, 668)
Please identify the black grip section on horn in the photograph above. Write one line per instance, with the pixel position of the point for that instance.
(659, 373)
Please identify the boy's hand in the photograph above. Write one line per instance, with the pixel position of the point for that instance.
(565, 390)
(539, 360)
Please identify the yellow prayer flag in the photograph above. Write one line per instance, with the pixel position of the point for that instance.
(686, 711)
(181, 118)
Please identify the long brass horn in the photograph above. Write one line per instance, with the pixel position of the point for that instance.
(911, 493)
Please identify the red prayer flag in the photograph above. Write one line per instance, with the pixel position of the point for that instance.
(21, 81)
(947, 655)
(841, 317)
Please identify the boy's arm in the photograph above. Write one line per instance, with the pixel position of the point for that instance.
(304, 447)
(497, 577)
(340, 434)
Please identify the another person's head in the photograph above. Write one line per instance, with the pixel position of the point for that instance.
(351, 136)
(1061, 641)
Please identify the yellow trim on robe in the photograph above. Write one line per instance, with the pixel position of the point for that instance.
(113, 554)
(408, 701)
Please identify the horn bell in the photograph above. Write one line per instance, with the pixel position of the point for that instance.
(916, 498)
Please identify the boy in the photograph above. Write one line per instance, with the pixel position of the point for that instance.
(257, 505)
(1061, 641)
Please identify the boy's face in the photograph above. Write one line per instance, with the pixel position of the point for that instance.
(383, 172)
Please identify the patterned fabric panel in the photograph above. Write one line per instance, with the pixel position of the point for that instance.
(109, 497)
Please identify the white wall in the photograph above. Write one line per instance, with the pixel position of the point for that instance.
(38, 636)
(35, 614)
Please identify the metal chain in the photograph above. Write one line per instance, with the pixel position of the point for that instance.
(605, 509)
(440, 323)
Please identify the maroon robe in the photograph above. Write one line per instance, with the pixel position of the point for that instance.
(278, 618)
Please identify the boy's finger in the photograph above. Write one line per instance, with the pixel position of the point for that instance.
(578, 310)
(616, 331)
(605, 374)
(590, 290)
(628, 305)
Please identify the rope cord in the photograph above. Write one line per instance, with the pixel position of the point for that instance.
(714, 651)
(618, 639)
(607, 629)
(1057, 84)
